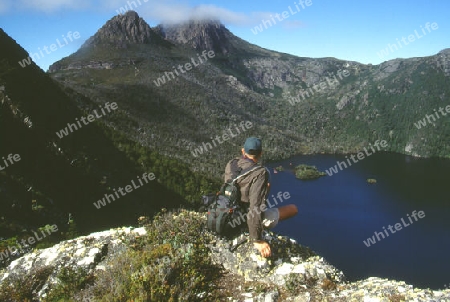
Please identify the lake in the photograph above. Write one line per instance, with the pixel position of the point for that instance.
(337, 213)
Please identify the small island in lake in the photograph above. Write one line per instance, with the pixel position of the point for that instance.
(371, 180)
(305, 172)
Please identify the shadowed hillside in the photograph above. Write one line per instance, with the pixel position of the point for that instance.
(56, 175)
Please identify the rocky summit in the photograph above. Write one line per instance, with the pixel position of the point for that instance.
(123, 29)
(293, 273)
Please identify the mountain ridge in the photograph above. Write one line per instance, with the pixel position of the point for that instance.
(272, 90)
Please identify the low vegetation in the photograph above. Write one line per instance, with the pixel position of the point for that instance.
(305, 172)
(170, 263)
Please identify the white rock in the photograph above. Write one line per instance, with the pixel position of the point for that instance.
(49, 255)
(299, 269)
(94, 251)
(258, 259)
(284, 269)
(101, 267)
(320, 272)
(296, 259)
(80, 251)
(140, 231)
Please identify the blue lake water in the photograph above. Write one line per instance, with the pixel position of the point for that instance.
(336, 213)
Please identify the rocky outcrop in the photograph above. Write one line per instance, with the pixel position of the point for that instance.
(443, 61)
(288, 258)
(88, 253)
(122, 30)
(293, 273)
(199, 35)
(119, 32)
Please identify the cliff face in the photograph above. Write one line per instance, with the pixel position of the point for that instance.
(199, 35)
(122, 30)
(90, 268)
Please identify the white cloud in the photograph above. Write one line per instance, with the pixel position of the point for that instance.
(167, 11)
(49, 6)
(293, 24)
(5, 6)
(214, 12)
(174, 12)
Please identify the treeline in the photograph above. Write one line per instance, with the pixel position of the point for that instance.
(171, 172)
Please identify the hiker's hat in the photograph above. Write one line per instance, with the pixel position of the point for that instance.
(253, 146)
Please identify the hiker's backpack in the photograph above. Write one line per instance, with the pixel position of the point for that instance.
(224, 207)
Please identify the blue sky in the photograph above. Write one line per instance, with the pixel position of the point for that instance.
(353, 30)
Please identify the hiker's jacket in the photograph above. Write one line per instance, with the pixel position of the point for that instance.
(254, 189)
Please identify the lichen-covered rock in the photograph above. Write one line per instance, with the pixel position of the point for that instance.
(87, 253)
(377, 289)
(292, 273)
(288, 257)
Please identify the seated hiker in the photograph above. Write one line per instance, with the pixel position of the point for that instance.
(254, 189)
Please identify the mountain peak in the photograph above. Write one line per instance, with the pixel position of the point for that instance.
(198, 34)
(123, 29)
(131, 14)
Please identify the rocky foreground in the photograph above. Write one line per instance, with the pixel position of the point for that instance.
(294, 273)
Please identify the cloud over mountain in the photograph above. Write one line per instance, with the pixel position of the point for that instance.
(172, 11)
